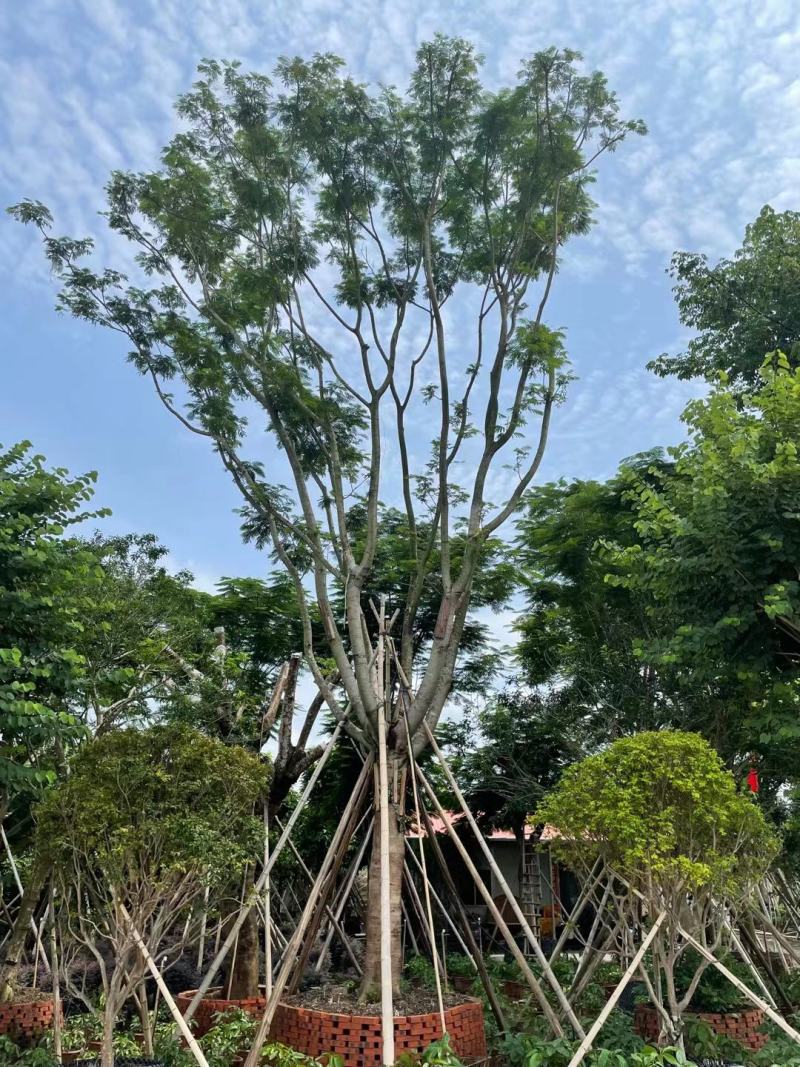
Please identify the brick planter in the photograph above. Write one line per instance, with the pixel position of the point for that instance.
(357, 1038)
(25, 1021)
(742, 1026)
(211, 1005)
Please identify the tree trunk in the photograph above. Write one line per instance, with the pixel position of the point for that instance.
(9, 971)
(371, 980)
(243, 977)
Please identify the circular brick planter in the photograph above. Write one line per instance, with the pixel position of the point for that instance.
(203, 1019)
(26, 1020)
(357, 1038)
(742, 1026)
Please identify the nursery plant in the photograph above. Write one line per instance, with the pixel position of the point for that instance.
(299, 253)
(664, 815)
(146, 820)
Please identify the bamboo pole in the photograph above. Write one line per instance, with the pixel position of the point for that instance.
(267, 910)
(56, 975)
(518, 912)
(344, 896)
(610, 1004)
(258, 887)
(182, 1024)
(500, 922)
(335, 925)
(387, 1005)
(343, 832)
(768, 1010)
(201, 948)
(445, 913)
(425, 880)
(13, 864)
(475, 951)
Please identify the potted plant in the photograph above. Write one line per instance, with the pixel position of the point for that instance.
(135, 861)
(460, 972)
(664, 815)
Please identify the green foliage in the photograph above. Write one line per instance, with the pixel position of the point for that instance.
(523, 1050)
(741, 308)
(12, 1055)
(419, 970)
(44, 578)
(233, 1033)
(702, 1042)
(660, 809)
(580, 633)
(716, 564)
(149, 806)
(459, 965)
(714, 992)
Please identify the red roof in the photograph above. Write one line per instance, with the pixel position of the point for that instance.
(454, 818)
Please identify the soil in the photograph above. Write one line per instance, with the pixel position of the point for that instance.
(341, 999)
(23, 995)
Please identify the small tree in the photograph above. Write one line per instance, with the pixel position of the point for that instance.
(146, 820)
(307, 240)
(664, 815)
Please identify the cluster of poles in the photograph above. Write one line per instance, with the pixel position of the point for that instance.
(772, 938)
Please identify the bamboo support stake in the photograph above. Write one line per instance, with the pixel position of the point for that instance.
(13, 864)
(56, 975)
(258, 888)
(610, 1004)
(267, 910)
(438, 900)
(475, 950)
(387, 1006)
(541, 959)
(335, 924)
(201, 948)
(425, 880)
(181, 1022)
(343, 831)
(500, 922)
(768, 1010)
(344, 896)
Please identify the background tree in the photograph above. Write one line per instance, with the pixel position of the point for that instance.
(717, 567)
(579, 633)
(144, 822)
(741, 308)
(660, 810)
(305, 241)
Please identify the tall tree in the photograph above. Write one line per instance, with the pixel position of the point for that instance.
(717, 564)
(741, 308)
(580, 633)
(308, 239)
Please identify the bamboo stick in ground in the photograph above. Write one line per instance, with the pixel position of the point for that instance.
(258, 888)
(343, 831)
(183, 1026)
(387, 1006)
(541, 959)
(56, 975)
(500, 922)
(474, 951)
(610, 1004)
(743, 989)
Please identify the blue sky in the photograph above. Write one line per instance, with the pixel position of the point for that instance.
(88, 86)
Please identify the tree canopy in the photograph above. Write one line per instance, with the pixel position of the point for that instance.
(304, 237)
(742, 307)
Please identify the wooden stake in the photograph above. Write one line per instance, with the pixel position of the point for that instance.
(267, 910)
(258, 888)
(500, 922)
(387, 1005)
(610, 1004)
(343, 832)
(512, 900)
(183, 1026)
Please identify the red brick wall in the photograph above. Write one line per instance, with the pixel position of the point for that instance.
(24, 1021)
(357, 1038)
(203, 1018)
(742, 1026)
